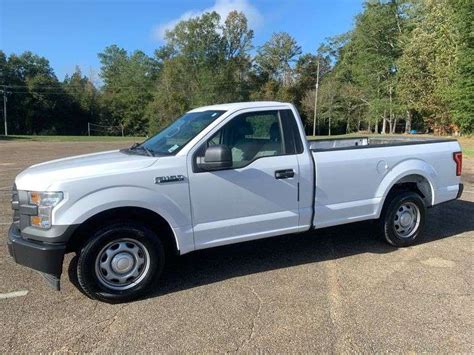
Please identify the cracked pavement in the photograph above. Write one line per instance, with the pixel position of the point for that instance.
(334, 290)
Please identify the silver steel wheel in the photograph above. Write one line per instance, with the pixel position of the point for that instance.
(406, 220)
(122, 264)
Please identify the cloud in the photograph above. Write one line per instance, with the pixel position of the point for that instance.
(222, 7)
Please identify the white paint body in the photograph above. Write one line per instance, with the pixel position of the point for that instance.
(209, 209)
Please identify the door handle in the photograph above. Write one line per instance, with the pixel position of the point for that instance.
(284, 174)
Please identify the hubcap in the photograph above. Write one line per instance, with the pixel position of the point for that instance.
(122, 264)
(407, 220)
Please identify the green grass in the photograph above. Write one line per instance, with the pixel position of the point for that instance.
(467, 144)
(72, 138)
(468, 152)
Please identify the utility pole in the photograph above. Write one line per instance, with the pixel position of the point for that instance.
(316, 101)
(4, 91)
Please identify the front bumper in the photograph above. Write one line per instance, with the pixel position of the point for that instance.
(46, 258)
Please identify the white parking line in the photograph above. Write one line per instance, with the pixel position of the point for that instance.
(13, 294)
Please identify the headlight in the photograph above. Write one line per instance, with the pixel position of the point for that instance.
(45, 202)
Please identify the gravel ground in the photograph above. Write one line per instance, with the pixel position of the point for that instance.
(334, 290)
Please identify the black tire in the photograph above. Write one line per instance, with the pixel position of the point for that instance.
(143, 244)
(399, 204)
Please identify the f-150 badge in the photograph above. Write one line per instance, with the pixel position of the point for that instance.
(170, 178)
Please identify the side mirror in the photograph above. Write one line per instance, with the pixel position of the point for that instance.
(216, 157)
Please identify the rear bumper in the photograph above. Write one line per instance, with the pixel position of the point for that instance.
(461, 188)
(46, 258)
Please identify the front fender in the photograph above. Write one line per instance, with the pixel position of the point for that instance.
(403, 169)
(78, 211)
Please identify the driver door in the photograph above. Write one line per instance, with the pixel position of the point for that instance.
(258, 196)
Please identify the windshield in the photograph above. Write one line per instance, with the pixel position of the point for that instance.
(170, 140)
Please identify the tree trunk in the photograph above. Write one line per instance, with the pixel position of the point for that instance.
(394, 126)
(329, 125)
(390, 115)
(368, 127)
(408, 122)
(348, 126)
(384, 123)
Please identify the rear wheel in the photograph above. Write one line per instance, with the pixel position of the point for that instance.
(120, 262)
(403, 219)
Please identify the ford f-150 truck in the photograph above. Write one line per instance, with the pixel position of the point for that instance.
(218, 175)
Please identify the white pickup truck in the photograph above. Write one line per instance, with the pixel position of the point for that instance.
(218, 175)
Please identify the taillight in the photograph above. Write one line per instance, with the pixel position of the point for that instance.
(457, 157)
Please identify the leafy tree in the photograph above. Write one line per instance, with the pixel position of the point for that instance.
(372, 56)
(462, 94)
(405, 63)
(237, 36)
(203, 62)
(277, 56)
(128, 83)
(306, 69)
(427, 65)
(365, 67)
(84, 100)
(36, 101)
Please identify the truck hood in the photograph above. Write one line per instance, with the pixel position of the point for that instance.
(40, 176)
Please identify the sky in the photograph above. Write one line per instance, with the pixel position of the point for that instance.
(72, 32)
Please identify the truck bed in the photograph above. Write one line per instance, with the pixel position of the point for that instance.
(369, 142)
(352, 182)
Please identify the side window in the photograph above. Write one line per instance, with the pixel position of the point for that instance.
(251, 136)
(216, 139)
(293, 144)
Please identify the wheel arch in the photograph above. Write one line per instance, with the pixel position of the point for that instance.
(412, 175)
(158, 224)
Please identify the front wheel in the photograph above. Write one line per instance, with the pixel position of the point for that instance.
(403, 219)
(120, 262)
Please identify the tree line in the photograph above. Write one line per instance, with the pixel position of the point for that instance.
(405, 65)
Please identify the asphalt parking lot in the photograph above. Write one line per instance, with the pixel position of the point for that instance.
(334, 290)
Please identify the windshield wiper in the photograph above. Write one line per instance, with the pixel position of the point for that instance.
(137, 146)
(148, 151)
